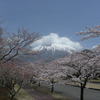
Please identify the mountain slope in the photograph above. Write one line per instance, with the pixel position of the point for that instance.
(53, 51)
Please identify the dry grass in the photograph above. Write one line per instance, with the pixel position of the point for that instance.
(89, 85)
(23, 95)
(95, 81)
(92, 85)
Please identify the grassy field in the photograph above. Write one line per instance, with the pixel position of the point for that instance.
(94, 86)
(95, 81)
(22, 95)
(89, 85)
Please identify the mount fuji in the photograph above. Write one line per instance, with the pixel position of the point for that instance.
(53, 47)
(54, 51)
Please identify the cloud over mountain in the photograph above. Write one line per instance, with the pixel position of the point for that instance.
(54, 42)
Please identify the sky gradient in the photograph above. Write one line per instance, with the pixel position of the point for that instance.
(63, 17)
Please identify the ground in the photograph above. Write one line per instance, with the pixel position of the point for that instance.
(32, 92)
(38, 95)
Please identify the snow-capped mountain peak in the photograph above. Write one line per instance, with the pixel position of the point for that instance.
(55, 47)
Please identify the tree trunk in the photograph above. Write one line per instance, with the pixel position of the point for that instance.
(82, 93)
(11, 98)
(39, 84)
(52, 88)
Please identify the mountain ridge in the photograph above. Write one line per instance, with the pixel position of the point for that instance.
(55, 47)
(53, 52)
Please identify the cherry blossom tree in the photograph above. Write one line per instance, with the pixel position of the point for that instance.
(38, 70)
(90, 32)
(52, 73)
(97, 51)
(49, 72)
(14, 45)
(82, 66)
(13, 74)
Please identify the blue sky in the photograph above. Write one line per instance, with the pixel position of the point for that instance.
(63, 17)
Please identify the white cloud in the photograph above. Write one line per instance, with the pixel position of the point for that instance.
(94, 46)
(54, 39)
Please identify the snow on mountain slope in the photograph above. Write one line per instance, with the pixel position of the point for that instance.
(55, 46)
(54, 42)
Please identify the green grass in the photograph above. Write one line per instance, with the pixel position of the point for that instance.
(55, 95)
